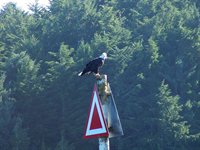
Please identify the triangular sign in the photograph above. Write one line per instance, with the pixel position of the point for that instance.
(96, 125)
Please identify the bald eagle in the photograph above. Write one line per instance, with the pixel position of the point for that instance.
(94, 65)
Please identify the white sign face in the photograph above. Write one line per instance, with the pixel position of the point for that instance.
(96, 125)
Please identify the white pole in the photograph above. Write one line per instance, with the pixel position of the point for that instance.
(104, 144)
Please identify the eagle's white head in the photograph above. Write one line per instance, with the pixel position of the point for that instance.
(104, 56)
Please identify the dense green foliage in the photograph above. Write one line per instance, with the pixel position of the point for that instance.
(154, 72)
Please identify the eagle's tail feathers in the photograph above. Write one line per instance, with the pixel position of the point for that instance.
(80, 74)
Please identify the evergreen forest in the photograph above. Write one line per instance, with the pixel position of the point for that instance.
(153, 69)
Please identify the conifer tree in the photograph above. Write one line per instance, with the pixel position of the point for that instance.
(20, 139)
(170, 114)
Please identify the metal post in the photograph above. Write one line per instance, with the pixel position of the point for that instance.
(104, 143)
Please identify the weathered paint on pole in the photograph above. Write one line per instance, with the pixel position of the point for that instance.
(104, 143)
